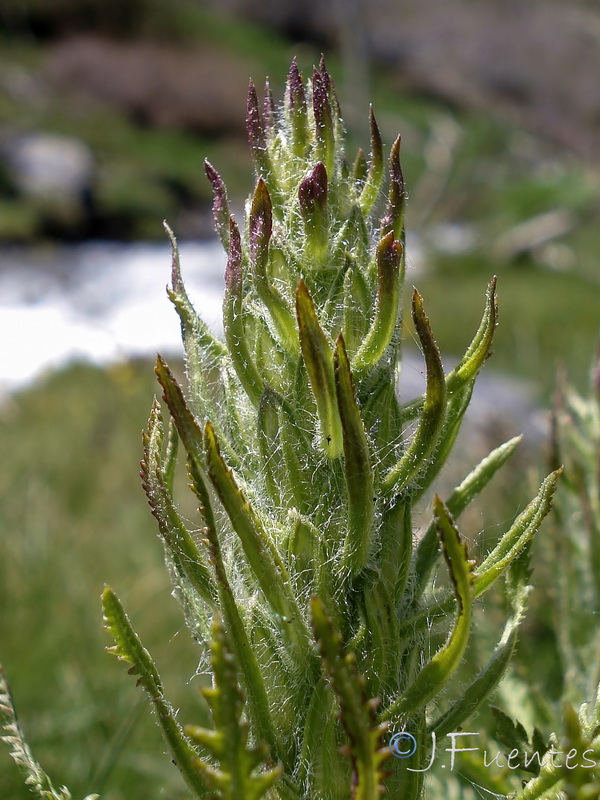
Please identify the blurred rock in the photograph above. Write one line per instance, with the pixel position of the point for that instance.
(48, 165)
(535, 62)
(195, 89)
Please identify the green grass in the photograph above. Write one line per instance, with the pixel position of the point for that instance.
(73, 516)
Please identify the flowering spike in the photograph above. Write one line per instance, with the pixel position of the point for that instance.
(220, 205)
(308, 474)
(394, 217)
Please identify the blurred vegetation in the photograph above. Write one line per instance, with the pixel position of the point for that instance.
(73, 517)
(485, 196)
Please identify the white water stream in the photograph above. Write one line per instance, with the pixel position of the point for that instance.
(104, 302)
(97, 301)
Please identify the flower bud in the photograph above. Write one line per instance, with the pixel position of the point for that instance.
(261, 227)
(312, 196)
(296, 111)
(257, 136)
(324, 130)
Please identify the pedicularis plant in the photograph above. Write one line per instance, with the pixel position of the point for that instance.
(305, 584)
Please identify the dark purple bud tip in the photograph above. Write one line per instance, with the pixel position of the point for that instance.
(324, 73)
(329, 86)
(312, 192)
(254, 125)
(296, 97)
(233, 270)
(220, 193)
(320, 98)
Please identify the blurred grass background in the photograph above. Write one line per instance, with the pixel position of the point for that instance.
(491, 191)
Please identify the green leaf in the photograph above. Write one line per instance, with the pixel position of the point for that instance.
(387, 310)
(360, 167)
(432, 416)
(508, 549)
(187, 427)
(129, 648)
(357, 466)
(220, 206)
(318, 360)
(479, 349)
(170, 460)
(296, 448)
(191, 436)
(514, 737)
(463, 376)
(261, 229)
(396, 206)
(427, 551)
(516, 538)
(436, 673)
(396, 533)
(356, 303)
(272, 461)
(253, 679)
(383, 646)
(234, 314)
(478, 691)
(357, 713)
(372, 184)
(235, 778)
(197, 339)
(510, 734)
(456, 407)
(321, 767)
(187, 559)
(259, 549)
